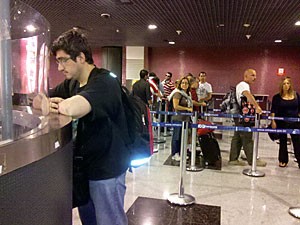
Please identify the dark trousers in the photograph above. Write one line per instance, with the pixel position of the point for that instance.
(283, 152)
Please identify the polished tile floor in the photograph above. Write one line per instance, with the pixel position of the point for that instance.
(242, 199)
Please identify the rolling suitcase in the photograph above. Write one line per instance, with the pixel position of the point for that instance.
(210, 148)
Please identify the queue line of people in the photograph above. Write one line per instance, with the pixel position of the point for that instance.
(284, 104)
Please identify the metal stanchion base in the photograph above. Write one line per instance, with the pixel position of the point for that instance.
(184, 200)
(295, 212)
(159, 140)
(194, 169)
(167, 135)
(251, 173)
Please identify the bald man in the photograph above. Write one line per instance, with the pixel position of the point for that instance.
(244, 139)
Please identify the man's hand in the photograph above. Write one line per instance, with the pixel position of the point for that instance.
(53, 105)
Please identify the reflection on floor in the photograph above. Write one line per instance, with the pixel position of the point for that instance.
(157, 211)
(243, 199)
(199, 162)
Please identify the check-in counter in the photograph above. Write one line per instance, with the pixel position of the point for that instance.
(36, 171)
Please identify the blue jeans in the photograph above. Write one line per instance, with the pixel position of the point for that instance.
(106, 206)
(176, 140)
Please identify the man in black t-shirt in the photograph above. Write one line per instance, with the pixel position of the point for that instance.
(94, 97)
(141, 88)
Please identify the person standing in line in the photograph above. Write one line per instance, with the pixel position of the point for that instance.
(204, 90)
(286, 103)
(240, 138)
(182, 102)
(194, 82)
(93, 96)
(154, 89)
(168, 84)
(141, 88)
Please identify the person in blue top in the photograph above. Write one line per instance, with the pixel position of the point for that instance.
(286, 103)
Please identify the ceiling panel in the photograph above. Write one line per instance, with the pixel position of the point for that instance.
(203, 22)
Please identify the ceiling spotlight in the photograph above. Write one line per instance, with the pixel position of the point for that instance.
(152, 27)
(246, 24)
(178, 32)
(171, 42)
(278, 41)
(221, 25)
(117, 30)
(248, 36)
(105, 15)
(297, 23)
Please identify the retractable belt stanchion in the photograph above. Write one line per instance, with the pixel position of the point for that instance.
(193, 167)
(158, 138)
(181, 198)
(295, 212)
(166, 133)
(253, 172)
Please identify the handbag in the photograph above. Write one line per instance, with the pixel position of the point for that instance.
(203, 131)
(81, 192)
(273, 136)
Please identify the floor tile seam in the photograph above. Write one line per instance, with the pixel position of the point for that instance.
(275, 197)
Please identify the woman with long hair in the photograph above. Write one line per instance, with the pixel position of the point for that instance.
(286, 104)
(182, 102)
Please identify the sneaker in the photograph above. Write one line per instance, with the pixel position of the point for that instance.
(243, 156)
(236, 163)
(176, 157)
(261, 163)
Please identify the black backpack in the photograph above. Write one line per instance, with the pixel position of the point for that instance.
(229, 103)
(140, 141)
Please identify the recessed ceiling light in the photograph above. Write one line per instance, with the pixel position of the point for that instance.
(152, 27)
(171, 42)
(105, 15)
(117, 30)
(221, 25)
(278, 41)
(297, 23)
(246, 24)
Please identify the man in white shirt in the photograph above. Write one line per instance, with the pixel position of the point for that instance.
(244, 139)
(204, 91)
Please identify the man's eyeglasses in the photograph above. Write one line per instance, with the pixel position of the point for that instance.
(62, 61)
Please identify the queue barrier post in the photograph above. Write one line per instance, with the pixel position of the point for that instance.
(166, 133)
(295, 212)
(193, 167)
(181, 198)
(158, 139)
(253, 172)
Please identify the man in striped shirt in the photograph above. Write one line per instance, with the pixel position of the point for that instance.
(168, 84)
